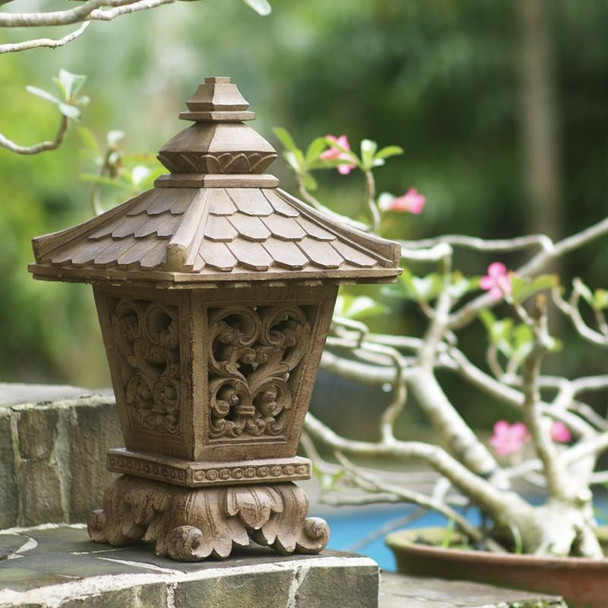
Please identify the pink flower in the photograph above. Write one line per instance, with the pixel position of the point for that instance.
(412, 202)
(560, 432)
(337, 154)
(497, 281)
(508, 438)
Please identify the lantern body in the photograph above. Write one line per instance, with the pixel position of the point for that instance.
(212, 376)
(214, 292)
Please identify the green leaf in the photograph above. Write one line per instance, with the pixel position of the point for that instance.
(314, 150)
(69, 83)
(600, 299)
(292, 161)
(70, 111)
(285, 138)
(262, 7)
(309, 182)
(42, 94)
(89, 140)
(523, 288)
(388, 152)
(358, 307)
(327, 481)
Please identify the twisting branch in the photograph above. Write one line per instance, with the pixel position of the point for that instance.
(548, 253)
(555, 473)
(40, 147)
(571, 310)
(44, 42)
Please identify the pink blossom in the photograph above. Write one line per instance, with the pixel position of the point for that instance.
(560, 432)
(508, 438)
(412, 202)
(497, 281)
(337, 154)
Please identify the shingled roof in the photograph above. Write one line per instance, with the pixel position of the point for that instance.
(204, 222)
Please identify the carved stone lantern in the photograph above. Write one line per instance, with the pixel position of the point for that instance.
(214, 291)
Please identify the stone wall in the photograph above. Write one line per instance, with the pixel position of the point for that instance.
(53, 453)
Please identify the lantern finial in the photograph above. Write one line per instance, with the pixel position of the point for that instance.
(218, 143)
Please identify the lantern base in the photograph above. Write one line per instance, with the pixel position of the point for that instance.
(194, 524)
(194, 474)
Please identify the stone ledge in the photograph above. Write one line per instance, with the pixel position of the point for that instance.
(59, 567)
(53, 443)
(398, 591)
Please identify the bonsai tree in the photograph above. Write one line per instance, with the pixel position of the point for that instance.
(563, 435)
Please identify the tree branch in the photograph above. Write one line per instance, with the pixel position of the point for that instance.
(554, 471)
(480, 491)
(44, 42)
(549, 252)
(37, 148)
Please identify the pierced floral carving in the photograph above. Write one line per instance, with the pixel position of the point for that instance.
(147, 337)
(254, 355)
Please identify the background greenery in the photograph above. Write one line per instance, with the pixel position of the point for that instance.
(440, 78)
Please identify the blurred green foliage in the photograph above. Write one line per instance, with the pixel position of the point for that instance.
(435, 77)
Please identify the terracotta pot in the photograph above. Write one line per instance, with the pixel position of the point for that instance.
(582, 582)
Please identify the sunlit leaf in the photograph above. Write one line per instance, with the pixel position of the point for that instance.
(42, 94)
(262, 7)
(89, 140)
(309, 182)
(387, 152)
(523, 288)
(315, 149)
(70, 111)
(358, 307)
(285, 138)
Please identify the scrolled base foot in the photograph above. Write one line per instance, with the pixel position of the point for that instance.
(195, 524)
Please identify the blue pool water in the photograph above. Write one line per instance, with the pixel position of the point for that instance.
(348, 528)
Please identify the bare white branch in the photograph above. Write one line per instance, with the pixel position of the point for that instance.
(44, 42)
(37, 148)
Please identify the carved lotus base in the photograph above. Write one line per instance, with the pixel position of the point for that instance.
(194, 524)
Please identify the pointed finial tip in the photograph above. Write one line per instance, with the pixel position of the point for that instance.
(218, 80)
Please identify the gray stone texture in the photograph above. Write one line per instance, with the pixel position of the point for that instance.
(268, 590)
(53, 443)
(9, 499)
(325, 587)
(61, 567)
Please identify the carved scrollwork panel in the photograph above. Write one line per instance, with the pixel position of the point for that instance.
(254, 356)
(147, 338)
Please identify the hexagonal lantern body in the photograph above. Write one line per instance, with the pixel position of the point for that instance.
(214, 292)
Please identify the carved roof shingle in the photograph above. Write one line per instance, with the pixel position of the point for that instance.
(206, 226)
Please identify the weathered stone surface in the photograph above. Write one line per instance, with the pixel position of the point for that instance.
(15, 393)
(148, 596)
(53, 443)
(61, 567)
(267, 590)
(37, 430)
(93, 428)
(322, 587)
(398, 591)
(40, 490)
(9, 499)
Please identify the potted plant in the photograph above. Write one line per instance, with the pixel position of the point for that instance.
(554, 437)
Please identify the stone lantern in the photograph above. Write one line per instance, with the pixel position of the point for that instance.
(214, 292)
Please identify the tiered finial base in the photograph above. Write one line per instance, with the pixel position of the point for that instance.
(194, 524)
